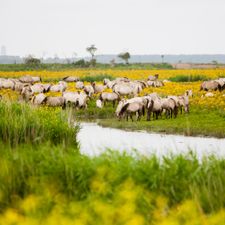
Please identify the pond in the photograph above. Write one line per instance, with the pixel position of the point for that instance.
(95, 139)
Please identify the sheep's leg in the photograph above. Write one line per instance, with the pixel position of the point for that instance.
(157, 114)
(188, 109)
(167, 113)
(148, 115)
(175, 112)
(138, 115)
(131, 117)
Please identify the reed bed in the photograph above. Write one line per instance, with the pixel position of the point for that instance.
(22, 123)
(54, 185)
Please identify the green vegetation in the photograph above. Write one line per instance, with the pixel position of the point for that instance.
(200, 121)
(44, 178)
(188, 78)
(97, 78)
(20, 123)
(81, 64)
(26, 170)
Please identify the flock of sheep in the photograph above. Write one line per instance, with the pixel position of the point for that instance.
(32, 89)
(213, 85)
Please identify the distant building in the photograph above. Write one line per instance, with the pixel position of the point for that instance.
(3, 50)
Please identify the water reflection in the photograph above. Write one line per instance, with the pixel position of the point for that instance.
(95, 139)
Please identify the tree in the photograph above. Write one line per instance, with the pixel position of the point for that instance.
(162, 57)
(124, 56)
(32, 61)
(92, 49)
(214, 62)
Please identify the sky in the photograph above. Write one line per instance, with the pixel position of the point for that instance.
(44, 28)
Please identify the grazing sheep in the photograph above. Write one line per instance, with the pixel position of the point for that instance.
(46, 87)
(36, 79)
(170, 106)
(79, 85)
(71, 79)
(221, 82)
(37, 88)
(57, 88)
(211, 85)
(109, 83)
(27, 93)
(109, 97)
(71, 97)
(156, 83)
(154, 106)
(38, 99)
(89, 90)
(153, 78)
(98, 88)
(123, 89)
(128, 109)
(19, 86)
(55, 101)
(7, 84)
(26, 79)
(82, 101)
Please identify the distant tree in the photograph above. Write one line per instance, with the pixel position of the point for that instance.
(162, 57)
(81, 63)
(92, 49)
(214, 62)
(125, 56)
(32, 61)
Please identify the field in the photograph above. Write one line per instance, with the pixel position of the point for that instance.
(45, 180)
(206, 117)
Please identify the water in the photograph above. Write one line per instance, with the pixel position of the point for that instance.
(95, 139)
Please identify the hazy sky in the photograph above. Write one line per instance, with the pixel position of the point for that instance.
(139, 26)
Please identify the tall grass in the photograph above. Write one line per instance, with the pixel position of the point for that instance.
(188, 78)
(27, 170)
(21, 123)
(99, 77)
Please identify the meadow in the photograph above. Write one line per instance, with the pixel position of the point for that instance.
(45, 180)
(206, 117)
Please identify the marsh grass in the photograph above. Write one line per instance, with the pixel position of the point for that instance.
(27, 170)
(22, 123)
(188, 78)
(200, 121)
(98, 77)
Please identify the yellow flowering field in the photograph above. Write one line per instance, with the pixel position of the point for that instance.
(122, 209)
(132, 74)
(170, 88)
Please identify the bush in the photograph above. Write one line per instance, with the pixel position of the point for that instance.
(81, 63)
(32, 62)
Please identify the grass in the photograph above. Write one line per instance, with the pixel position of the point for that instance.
(27, 170)
(199, 122)
(70, 66)
(210, 123)
(20, 123)
(188, 78)
(97, 78)
(44, 178)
